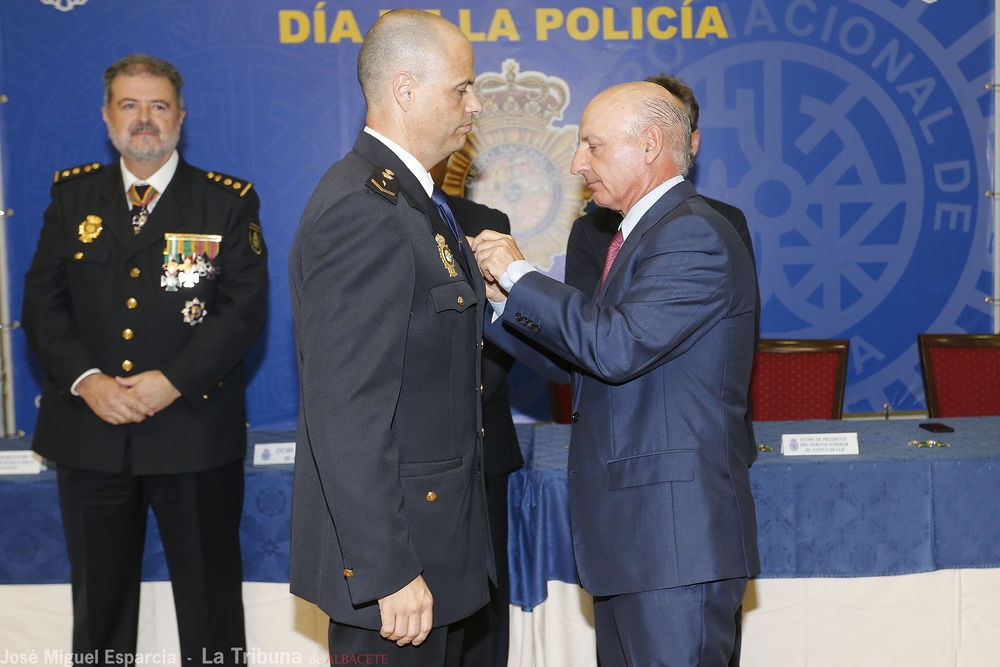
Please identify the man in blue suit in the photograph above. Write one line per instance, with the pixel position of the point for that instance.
(664, 527)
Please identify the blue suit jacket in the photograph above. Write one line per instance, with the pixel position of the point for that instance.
(659, 460)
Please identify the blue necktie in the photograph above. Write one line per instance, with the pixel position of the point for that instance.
(445, 212)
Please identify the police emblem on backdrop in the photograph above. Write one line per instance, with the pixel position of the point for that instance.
(90, 228)
(194, 311)
(517, 161)
(187, 258)
(446, 257)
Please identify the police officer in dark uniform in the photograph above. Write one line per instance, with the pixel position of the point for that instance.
(148, 286)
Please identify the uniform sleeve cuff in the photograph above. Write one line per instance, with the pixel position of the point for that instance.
(92, 371)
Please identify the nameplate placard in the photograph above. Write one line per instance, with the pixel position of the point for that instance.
(21, 462)
(819, 444)
(274, 454)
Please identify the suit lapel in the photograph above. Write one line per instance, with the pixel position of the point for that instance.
(114, 202)
(670, 200)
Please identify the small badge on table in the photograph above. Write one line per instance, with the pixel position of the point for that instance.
(21, 462)
(819, 444)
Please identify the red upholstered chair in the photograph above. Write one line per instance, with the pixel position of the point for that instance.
(961, 374)
(798, 379)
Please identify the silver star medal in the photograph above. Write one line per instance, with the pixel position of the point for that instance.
(194, 311)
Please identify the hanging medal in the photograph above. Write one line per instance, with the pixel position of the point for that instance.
(140, 196)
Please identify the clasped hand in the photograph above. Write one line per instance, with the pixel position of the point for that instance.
(119, 400)
(494, 253)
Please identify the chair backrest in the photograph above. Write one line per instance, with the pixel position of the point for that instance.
(798, 379)
(961, 374)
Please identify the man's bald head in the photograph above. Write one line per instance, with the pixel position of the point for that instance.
(403, 40)
(633, 137)
(651, 104)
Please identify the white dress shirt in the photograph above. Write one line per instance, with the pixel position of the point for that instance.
(160, 180)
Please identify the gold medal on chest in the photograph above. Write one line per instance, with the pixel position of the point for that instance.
(446, 257)
(90, 228)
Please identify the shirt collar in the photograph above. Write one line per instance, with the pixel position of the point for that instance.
(636, 212)
(412, 163)
(159, 180)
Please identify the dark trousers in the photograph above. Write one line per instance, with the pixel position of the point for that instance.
(357, 646)
(487, 632)
(688, 626)
(198, 514)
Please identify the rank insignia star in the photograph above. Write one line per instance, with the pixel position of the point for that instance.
(194, 311)
(384, 183)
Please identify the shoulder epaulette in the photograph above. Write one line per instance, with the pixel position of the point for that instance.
(384, 183)
(73, 172)
(230, 183)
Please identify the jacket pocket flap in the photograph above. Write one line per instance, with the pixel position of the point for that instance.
(82, 253)
(457, 295)
(418, 469)
(671, 466)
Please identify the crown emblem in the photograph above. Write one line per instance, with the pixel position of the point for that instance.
(512, 93)
(517, 160)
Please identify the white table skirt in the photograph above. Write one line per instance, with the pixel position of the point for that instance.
(948, 618)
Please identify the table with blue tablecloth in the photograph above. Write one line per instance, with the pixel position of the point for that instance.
(855, 550)
(35, 602)
(861, 525)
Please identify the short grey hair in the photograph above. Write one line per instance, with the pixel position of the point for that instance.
(140, 63)
(400, 40)
(667, 113)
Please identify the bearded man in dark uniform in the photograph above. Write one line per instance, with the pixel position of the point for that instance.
(148, 286)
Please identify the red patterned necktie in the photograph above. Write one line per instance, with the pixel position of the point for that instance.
(616, 245)
(140, 196)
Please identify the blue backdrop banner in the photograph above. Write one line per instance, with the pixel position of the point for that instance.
(855, 135)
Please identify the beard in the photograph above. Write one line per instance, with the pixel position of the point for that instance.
(123, 143)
